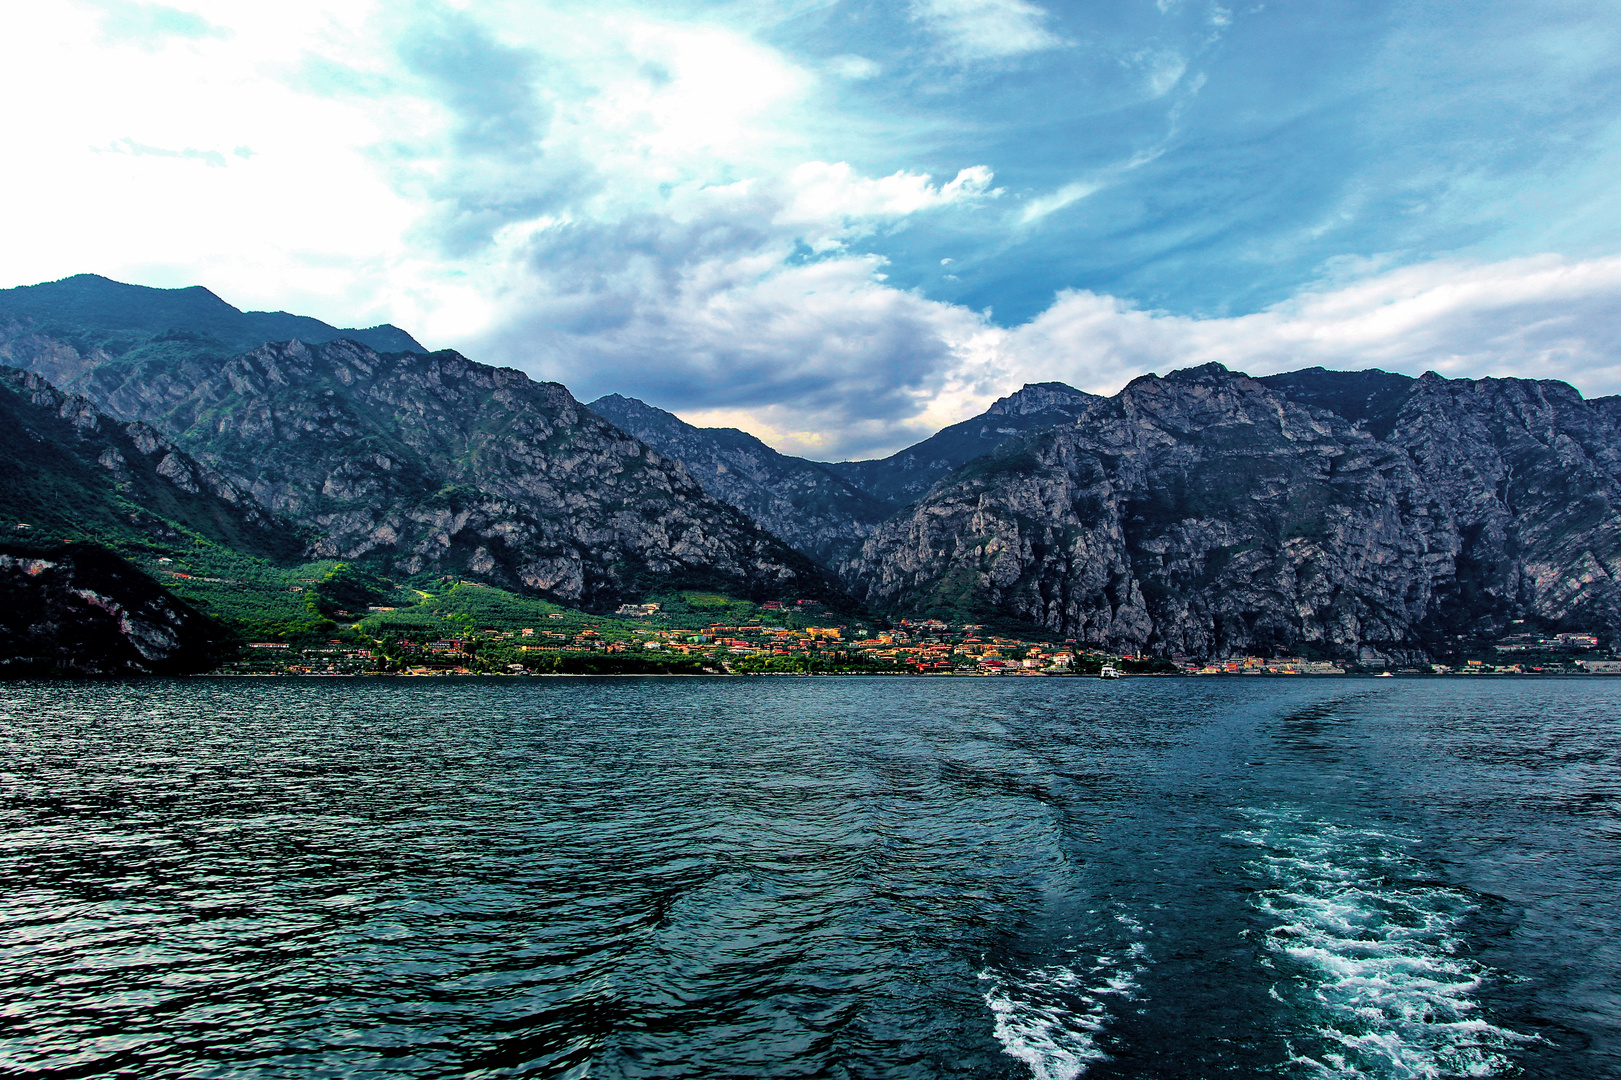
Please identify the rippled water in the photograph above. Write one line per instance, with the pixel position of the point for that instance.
(811, 877)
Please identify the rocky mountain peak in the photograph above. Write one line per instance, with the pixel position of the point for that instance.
(430, 462)
(1038, 398)
(1210, 513)
(1211, 399)
(1202, 373)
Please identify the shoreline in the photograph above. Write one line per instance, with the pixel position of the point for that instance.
(1269, 676)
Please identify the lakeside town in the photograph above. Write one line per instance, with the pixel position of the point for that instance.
(789, 638)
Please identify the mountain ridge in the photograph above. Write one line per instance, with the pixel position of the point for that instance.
(1206, 513)
(1361, 514)
(429, 462)
(80, 473)
(113, 307)
(802, 501)
(907, 474)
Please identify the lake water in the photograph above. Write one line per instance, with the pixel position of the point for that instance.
(811, 878)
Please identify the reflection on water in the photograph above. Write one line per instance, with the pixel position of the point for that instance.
(624, 877)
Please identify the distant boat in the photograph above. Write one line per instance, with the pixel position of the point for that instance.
(1384, 675)
(1109, 671)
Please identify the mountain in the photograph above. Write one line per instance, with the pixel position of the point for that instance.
(430, 463)
(801, 501)
(1205, 513)
(1211, 514)
(826, 509)
(89, 314)
(77, 474)
(906, 475)
(1369, 399)
(79, 609)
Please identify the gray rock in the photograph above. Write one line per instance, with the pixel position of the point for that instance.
(801, 501)
(81, 610)
(906, 475)
(430, 463)
(1211, 514)
(80, 474)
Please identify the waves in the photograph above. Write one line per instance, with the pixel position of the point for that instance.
(1368, 955)
(797, 878)
(1051, 1018)
(1362, 959)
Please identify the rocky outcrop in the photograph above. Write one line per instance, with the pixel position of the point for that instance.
(77, 473)
(801, 501)
(430, 463)
(906, 475)
(81, 610)
(1210, 514)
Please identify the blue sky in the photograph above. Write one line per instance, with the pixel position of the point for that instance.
(842, 225)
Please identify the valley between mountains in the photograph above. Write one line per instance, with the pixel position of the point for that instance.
(312, 474)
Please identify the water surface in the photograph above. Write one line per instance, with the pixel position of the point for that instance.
(811, 877)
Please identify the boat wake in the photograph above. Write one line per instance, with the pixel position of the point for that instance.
(1368, 955)
(1051, 1017)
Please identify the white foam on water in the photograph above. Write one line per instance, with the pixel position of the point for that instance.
(1050, 1018)
(1371, 954)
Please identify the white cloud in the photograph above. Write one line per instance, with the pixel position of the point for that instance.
(851, 66)
(835, 194)
(971, 30)
(1540, 317)
(1043, 205)
(1544, 318)
(1162, 70)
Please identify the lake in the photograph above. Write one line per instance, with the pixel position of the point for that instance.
(824, 877)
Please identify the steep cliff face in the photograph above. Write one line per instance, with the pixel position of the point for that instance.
(1207, 513)
(430, 462)
(76, 473)
(80, 610)
(798, 500)
(905, 476)
(1528, 474)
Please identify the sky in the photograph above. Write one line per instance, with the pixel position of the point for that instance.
(842, 225)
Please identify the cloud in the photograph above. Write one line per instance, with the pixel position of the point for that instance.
(821, 357)
(972, 30)
(213, 158)
(1544, 317)
(151, 25)
(851, 66)
(720, 305)
(485, 161)
(834, 195)
(833, 363)
(488, 87)
(1041, 206)
(1162, 70)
